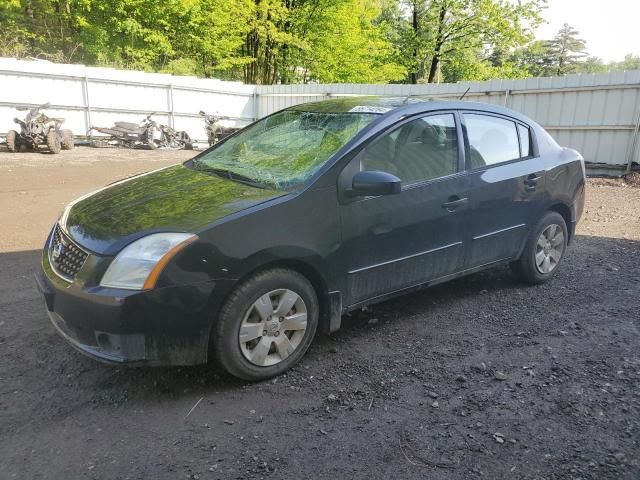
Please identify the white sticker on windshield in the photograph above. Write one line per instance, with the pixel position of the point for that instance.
(369, 109)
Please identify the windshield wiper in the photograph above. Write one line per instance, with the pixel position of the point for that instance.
(225, 173)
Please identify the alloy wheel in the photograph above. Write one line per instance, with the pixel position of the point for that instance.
(549, 248)
(273, 327)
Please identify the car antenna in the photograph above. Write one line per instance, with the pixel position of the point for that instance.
(465, 92)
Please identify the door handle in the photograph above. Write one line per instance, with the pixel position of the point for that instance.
(454, 202)
(531, 181)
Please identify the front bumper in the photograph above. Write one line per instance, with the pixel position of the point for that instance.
(165, 326)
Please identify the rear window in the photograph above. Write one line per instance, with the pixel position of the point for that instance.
(525, 141)
(491, 140)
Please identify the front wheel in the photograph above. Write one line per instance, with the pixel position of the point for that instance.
(266, 325)
(53, 142)
(544, 250)
(12, 141)
(150, 140)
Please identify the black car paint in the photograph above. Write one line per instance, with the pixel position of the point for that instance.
(354, 250)
(173, 199)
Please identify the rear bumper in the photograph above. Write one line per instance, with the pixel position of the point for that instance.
(167, 326)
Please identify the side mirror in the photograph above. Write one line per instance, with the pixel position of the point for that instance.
(373, 183)
(16, 120)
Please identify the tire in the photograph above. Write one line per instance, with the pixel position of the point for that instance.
(185, 139)
(151, 143)
(12, 141)
(284, 346)
(53, 142)
(67, 140)
(544, 250)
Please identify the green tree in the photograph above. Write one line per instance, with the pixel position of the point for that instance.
(630, 62)
(325, 40)
(565, 51)
(591, 65)
(350, 44)
(210, 39)
(42, 28)
(438, 31)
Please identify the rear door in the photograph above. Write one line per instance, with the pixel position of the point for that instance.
(395, 241)
(506, 186)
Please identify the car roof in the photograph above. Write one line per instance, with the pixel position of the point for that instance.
(400, 105)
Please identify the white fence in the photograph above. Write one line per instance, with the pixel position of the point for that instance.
(599, 115)
(88, 96)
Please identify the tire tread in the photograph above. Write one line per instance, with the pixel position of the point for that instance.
(228, 317)
(524, 268)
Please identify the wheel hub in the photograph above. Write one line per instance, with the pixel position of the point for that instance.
(273, 327)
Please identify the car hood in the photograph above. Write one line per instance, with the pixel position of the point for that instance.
(173, 199)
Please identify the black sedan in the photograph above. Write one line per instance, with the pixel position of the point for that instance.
(246, 251)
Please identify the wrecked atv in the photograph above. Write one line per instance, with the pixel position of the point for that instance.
(127, 134)
(170, 138)
(37, 130)
(216, 131)
(148, 133)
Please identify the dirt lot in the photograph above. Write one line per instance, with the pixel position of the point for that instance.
(479, 378)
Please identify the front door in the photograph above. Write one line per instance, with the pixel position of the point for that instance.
(395, 241)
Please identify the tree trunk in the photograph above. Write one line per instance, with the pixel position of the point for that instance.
(437, 51)
(415, 24)
(433, 71)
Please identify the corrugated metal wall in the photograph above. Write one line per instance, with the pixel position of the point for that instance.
(599, 115)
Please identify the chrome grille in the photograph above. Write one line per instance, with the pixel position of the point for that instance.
(65, 256)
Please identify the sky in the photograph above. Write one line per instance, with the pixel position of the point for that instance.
(611, 28)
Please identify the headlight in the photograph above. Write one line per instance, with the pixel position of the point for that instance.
(138, 266)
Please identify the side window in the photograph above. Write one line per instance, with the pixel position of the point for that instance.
(525, 141)
(422, 149)
(491, 140)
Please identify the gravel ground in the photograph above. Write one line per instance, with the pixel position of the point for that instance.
(478, 378)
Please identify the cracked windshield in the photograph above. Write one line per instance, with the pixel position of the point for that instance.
(283, 150)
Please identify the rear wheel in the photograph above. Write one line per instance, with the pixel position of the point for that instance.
(12, 141)
(544, 250)
(67, 139)
(266, 325)
(185, 139)
(53, 142)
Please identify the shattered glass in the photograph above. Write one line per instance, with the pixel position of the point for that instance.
(284, 150)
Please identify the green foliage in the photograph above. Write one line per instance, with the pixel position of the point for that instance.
(565, 51)
(630, 62)
(300, 41)
(350, 46)
(435, 32)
